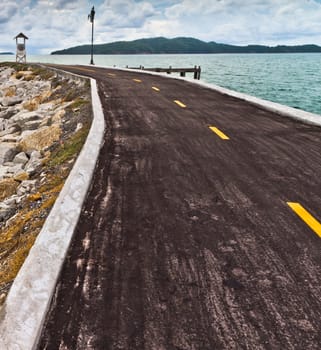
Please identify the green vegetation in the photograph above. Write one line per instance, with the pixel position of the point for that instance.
(43, 73)
(78, 103)
(179, 46)
(70, 149)
(17, 239)
(16, 66)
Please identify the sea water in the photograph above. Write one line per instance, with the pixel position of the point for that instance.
(290, 79)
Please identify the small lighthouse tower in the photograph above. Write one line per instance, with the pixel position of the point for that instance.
(21, 48)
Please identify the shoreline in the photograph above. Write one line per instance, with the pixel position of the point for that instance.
(288, 79)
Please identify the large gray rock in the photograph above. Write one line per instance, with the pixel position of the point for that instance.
(8, 151)
(34, 162)
(25, 134)
(23, 117)
(11, 101)
(12, 201)
(6, 74)
(3, 171)
(31, 125)
(6, 211)
(13, 169)
(3, 124)
(21, 158)
(7, 113)
(12, 129)
(26, 186)
(27, 120)
(46, 107)
(22, 92)
(36, 87)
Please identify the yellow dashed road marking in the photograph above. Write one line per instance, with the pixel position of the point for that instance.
(219, 133)
(111, 74)
(137, 80)
(155, 88)
(85, 69)
(181, 104)
(313, 223)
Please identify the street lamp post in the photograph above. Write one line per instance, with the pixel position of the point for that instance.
(91, 17)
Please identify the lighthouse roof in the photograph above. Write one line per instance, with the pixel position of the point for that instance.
(21, 35)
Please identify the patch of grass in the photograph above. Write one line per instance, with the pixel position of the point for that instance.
(14, 65)
(10, 91)
(44, 74)
(54, 182)
(55, 82)
(17, 239)
(78, 103)
(70, 148)
(7, 188)
(11, 267)
(19, 75)
(30, 105)
(30, 77)
(87, 84)
(69, 96)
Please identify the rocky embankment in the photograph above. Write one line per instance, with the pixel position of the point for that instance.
(44, 121)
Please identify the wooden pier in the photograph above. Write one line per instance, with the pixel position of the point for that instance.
(196, 70)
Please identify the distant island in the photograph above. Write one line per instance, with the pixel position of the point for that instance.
(6, 53)
(179, 46)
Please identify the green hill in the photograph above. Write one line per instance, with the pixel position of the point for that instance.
(179, 46)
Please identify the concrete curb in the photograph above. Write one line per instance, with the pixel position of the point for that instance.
(24, 311)
(290, 112)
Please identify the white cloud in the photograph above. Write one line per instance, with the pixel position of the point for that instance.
(57, 24)
(125, 13)
(251, 21)
(8, 10)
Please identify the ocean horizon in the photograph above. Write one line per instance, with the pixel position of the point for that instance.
(291, 79)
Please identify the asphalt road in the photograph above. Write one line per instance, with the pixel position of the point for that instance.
(189, 238)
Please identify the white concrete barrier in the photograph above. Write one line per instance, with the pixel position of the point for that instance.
(306, 117)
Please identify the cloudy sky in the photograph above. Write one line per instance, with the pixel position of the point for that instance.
(58, 24)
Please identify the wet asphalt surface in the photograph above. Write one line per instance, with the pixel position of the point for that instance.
(186, 240)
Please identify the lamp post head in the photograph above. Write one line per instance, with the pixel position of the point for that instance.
(91, 16)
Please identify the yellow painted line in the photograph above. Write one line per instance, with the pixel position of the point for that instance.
(219, 133)
(155, 88)
(137, 80)
(181, 104)
(111, 74)
(313, 223)
(85, 69)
